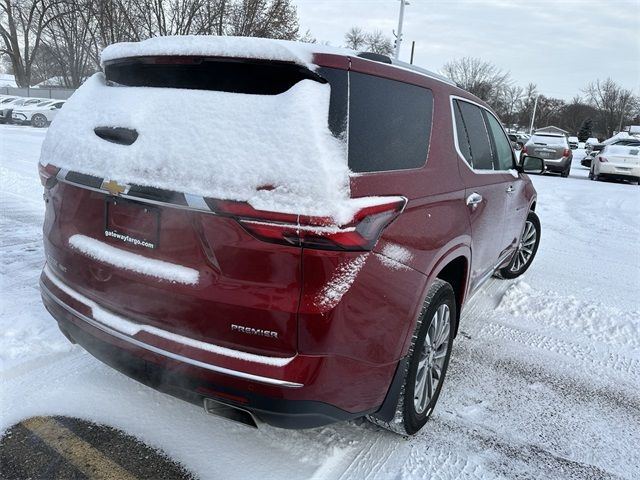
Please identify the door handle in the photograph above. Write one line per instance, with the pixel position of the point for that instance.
(510, 189)
(474, 199)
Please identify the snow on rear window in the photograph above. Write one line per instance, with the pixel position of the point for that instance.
(215, 144)
(620, 150)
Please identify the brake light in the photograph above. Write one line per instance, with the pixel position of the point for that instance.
(48, 174)
(602, 160)
(566, 152)
(361, 233)
(524, 149)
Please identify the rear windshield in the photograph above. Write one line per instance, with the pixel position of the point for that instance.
(621, 150)
(222, 75)
(548, 140)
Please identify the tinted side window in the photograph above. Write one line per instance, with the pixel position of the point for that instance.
(503, 160)
(463, 138)
(389, 124)
(478, 136)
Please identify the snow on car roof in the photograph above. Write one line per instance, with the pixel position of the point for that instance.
(223, 46)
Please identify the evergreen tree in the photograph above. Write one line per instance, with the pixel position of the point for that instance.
(585, 130)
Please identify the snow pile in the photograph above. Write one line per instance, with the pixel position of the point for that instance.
(274, 151)
(133, 262)
(340, 282)
(221, 46)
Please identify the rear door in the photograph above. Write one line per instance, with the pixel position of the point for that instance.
(486, 189)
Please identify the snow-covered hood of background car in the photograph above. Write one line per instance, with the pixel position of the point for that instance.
(274, 151)
(222, 46)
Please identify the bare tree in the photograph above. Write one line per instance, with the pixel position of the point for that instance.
(69, 40)
(355, 38)
(22, 24)
(483, 79)
(377, 42)
(614, 103)
(264, 18)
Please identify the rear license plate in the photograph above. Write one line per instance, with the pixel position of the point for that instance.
(132, 223)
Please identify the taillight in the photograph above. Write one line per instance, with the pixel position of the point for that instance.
(48, 174)
(566, 152)
(361, 233)
(524, 149)
(602, 159)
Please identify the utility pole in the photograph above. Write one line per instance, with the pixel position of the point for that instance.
(400, 22)
(413, 47)
(533, 117)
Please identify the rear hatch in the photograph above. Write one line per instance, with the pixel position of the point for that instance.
(120, 229)
(548, 147)
(181, 192)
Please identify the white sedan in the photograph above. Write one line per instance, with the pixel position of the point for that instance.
(39, 115)
(621, 162)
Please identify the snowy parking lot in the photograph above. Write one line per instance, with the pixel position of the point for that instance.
(544, 380)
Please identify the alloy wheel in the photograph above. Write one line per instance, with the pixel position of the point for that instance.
(432, 359)
(525, 249)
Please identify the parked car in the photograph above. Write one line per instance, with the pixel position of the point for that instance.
(573, 142)
(39, 115)
(6, 109)
(617, 162)
(518, 140)
(554, 149)
(591, 141)
(595, 149)
(300, 286)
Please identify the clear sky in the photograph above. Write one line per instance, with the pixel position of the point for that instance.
(561, 45)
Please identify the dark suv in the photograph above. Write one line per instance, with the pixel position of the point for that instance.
(296, 316)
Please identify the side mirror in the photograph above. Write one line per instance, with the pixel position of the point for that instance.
(528, 164)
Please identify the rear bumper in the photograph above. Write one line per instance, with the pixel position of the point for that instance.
(298, 394)
(618, 171)
(558, 165)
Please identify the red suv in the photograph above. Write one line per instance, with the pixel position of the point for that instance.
(297, 313)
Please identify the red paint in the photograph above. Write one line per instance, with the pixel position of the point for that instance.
(344, 351)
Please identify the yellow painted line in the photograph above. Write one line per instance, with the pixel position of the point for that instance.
(75, 450)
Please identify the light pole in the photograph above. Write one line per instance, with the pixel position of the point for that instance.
(533, 117)
(399, 34)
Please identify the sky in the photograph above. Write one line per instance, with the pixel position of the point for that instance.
(560, 45)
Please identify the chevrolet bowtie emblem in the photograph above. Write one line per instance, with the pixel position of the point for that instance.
(114, 188)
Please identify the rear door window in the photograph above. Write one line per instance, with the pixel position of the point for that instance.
(389, 124)
(478, 136)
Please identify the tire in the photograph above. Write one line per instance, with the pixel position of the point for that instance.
(565, 173)
(519, 146)
(39, 120)
(428, 357)
(527, 249)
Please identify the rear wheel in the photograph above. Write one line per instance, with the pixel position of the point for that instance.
(39, 120)
(527, 248)
(428, 356)
(566, 171)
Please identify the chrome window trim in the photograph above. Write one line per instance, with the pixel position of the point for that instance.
(455, 136)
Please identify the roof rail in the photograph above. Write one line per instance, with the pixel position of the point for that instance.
(424, 71)
(377, 57)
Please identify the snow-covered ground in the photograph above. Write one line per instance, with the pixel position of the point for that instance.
(544, 380)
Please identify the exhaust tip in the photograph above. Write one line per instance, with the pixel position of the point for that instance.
(228, 412)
